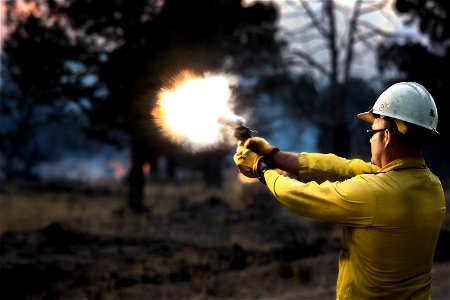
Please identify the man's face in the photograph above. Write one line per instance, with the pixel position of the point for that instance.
(377, 141)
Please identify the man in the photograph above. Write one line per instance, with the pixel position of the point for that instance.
(392, 208)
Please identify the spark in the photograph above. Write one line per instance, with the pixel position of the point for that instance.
(191, 111)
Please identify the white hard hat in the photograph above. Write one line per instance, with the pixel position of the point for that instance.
(405, 101)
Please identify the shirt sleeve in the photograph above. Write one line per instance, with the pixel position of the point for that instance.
(350, 202)
(321, 167)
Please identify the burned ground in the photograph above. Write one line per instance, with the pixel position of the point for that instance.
(192, 243)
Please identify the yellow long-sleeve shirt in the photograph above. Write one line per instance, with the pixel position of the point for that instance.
(391, 218)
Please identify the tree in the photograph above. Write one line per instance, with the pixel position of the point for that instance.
(195, 35)
(346, 37)
(38, 81)
(132, 47)
(425, 64)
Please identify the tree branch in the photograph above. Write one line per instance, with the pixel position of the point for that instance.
(299, 30)
(315, 21)
(351, 38)
(311, 61)
(374, 6)
(378, 31)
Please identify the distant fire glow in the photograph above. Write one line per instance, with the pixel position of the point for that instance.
(191, 111)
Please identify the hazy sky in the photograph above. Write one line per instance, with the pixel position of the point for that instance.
(386, 19)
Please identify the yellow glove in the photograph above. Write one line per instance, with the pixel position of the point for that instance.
(247, 161)
(260, 146)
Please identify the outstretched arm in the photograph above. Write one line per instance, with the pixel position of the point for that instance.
(309, 166)
(319, 167)
(286, 161)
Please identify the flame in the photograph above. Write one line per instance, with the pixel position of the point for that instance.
(191, 110)
(118, 169)
(24, 8)
(147, 168)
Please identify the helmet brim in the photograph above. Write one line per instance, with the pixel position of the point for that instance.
(367, 116)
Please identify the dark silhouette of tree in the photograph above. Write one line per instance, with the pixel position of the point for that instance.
(38, 82)
(426, 64)
(330, 40)
(132, 48)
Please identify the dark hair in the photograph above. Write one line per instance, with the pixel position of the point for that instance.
(416, 137)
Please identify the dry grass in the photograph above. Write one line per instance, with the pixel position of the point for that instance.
(103, 215)
(32, 209)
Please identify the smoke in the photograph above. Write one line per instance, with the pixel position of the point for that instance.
(108, 163)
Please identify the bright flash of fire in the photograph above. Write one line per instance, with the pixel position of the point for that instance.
(191, 111)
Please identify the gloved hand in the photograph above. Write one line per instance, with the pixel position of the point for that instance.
(247, 161)
(260, 146)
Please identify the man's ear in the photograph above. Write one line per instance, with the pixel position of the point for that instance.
(387, 137)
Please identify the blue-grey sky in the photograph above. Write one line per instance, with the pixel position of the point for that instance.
(291, 18)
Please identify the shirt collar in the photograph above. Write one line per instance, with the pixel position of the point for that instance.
(413, 162)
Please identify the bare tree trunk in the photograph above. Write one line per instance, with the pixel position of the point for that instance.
(351, 39)
(136, 178)
(340, 141)
(212, 168)
(335, 135)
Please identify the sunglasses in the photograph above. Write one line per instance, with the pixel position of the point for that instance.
(370, 132)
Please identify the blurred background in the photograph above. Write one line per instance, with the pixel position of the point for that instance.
(97, 203)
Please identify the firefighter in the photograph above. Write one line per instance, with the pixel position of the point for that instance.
(391, 209)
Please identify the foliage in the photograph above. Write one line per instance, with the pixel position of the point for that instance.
(38, 84)
(427, 65)
(114, 56)
(328, 40)
(149, 43)
(432, 18)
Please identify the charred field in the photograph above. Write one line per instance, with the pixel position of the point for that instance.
(79, 241)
